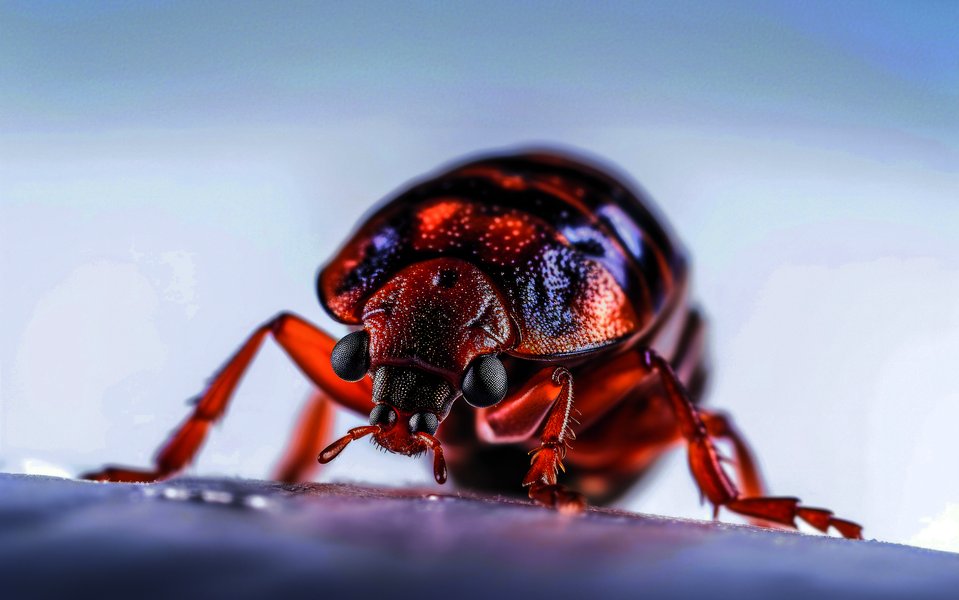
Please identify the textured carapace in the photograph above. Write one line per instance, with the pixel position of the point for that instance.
(580, 261)
(438, 315)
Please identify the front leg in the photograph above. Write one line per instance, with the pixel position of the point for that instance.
(545, 403)
(310, 349)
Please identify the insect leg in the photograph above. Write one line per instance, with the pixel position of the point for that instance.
(546, 403)
(311, 433)
(719, 425)
(712, 479)
(308, 346)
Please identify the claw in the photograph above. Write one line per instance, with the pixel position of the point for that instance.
(848, 529)
(558, 497)
(783, 511)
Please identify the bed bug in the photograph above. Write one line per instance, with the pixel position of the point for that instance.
(544, 292)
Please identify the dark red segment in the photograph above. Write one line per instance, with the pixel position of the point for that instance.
(582, 262)
(437, 315)
(820, 518)
(609, 218)
(777, 510)
(847, 529)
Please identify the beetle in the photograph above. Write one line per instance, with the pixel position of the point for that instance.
(546, 293)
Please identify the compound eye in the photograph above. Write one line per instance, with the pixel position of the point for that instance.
(382, 415)
(485, 382)
(351, 356)
(426, 422)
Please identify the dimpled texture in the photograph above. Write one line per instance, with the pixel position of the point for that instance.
(485, 383)
(350, 356)
(579, 258)
(439, 314)
(411, 390)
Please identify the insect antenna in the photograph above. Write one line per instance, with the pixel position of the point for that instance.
(439, 463)
(331, 451)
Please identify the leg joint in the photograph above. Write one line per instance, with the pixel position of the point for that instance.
(561, 375)
(278, 323)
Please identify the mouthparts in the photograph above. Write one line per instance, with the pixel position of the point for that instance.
(428, 441)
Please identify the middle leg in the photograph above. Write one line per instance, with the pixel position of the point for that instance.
(311, 433)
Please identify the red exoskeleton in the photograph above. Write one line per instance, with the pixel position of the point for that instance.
(546, 294)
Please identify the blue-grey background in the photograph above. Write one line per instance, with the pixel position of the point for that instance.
(172, 174)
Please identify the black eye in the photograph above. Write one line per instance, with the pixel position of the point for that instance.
(382, 415)
(424, 422)
(485, 382)
(351, 356)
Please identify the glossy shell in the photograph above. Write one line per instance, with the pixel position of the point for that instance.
(581, 260)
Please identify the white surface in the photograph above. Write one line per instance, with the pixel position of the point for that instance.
(170, 177)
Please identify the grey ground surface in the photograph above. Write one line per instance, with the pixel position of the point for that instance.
(236, 538)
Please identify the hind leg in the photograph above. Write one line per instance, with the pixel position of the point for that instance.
(720, 426)
(654, 414)
(713, 482)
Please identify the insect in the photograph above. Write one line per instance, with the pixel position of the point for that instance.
(517, 316)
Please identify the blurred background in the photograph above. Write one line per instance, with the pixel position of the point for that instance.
(173, 174)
